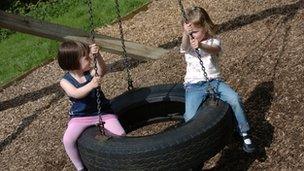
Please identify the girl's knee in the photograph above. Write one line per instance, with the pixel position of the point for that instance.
(114, 127)
(121, 133)
(67, 140)
(234, 99)
(116, 132)
(231, 97)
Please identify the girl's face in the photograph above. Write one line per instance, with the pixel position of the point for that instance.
(85, 62)
(198, 32)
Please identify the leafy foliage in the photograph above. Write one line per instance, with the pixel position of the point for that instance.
(43, 10)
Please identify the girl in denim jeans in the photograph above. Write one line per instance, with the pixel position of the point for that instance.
(199, 34)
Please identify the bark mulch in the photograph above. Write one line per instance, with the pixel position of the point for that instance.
(262, 59)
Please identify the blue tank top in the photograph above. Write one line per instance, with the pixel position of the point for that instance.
(87, 106)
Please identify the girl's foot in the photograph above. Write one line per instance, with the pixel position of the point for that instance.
(248, 145)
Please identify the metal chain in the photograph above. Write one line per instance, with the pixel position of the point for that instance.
(182, 10)
(92, 32)
(92, 37)
(210, 89)
(126, 61)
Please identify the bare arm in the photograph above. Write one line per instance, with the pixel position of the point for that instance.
(81, 92)
(214, 49)
(185, 42)
(101, 65)
(211, 49)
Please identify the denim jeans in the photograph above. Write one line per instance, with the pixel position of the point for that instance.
(196, 93)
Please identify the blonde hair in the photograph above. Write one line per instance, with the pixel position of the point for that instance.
(199, 17)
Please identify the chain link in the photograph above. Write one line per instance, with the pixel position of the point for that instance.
(182, 10)
(126, 61)
(210, 89)
(91, 26)
(92, 37)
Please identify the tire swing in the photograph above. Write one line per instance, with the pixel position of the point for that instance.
(181, 148)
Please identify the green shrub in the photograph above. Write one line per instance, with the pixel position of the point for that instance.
(42, 10)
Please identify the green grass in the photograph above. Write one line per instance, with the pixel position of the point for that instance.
(20, 52)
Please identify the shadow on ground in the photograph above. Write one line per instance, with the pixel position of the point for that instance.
(25, 122)
(257, 105)
(243, 20)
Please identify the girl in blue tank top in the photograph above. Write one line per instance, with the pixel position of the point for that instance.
(80, 84)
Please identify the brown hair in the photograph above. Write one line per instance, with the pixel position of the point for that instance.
(199, 17)
(69, 53)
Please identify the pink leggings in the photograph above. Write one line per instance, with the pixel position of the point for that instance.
(78, 124)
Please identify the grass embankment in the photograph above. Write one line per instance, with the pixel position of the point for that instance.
(20, 52)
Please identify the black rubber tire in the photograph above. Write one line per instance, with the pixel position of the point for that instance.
(181, 148)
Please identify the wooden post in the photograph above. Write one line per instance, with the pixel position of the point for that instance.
(62, 33)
